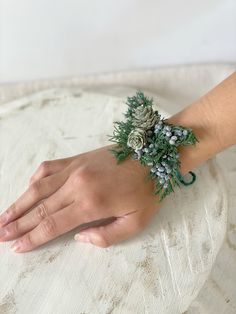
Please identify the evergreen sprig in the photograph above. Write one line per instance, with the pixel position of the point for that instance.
(155, 145)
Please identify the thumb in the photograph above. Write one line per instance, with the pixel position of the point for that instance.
(120, 229)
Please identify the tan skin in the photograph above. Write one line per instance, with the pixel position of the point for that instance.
(78, 190)
(66, 193)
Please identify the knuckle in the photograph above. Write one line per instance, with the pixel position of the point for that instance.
(48, 227)
(35, 188)
(44, 166)
(12, 228)
(12, 211)
(41, 211)
(81, 176)
(15, 226)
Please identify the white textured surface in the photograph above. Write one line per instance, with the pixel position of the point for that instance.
(164, 267)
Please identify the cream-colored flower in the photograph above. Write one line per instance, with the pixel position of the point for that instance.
(144, 117)
(137, 138)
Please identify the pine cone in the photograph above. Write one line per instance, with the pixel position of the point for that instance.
(144, 117)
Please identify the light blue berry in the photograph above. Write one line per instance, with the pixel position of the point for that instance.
(178, 132)
(167, 177)
(165, 185)
(168, 170)
(153, 169)
(162, 181)
(172, 142)
(150, 163)
(164, 156)
(168, 128)
(151, 145)
(158, 173)
(185, 132)
(174, 138)
(161, 169)
(146, 150)
(158, 126)
(163, 163)
(168, 133)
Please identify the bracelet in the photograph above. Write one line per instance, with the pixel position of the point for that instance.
(150, 139)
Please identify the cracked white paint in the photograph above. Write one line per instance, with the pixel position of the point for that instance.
(161, 270)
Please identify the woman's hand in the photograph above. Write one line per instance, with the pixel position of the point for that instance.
(69, 192)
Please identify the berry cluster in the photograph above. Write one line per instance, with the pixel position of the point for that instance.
(163, 168)
(162, 171)
(171, 135)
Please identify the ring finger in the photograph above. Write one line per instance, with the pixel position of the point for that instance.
(45, 208)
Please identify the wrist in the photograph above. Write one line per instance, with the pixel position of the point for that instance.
(198, 117)
(212, 119)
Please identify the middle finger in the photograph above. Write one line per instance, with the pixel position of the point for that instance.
(35, 192)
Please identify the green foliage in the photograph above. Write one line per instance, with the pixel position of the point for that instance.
(120, 136)
(161, 151)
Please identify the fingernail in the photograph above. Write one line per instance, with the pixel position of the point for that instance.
(82, 237)
(16, 246)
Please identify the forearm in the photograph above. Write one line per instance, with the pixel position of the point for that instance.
(213, 120)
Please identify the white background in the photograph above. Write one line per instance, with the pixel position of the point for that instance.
(60, 38)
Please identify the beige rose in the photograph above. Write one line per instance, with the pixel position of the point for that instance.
(137, 138)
